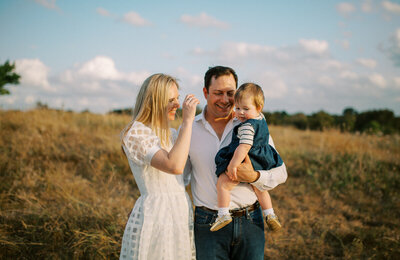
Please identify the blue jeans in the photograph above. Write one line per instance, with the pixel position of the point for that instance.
(243, 238)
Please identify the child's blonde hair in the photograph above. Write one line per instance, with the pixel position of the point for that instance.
(253, 90)
(151, 105)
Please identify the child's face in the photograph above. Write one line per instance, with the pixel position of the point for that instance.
(246, 109)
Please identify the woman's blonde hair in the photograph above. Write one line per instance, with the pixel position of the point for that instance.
(151, 104)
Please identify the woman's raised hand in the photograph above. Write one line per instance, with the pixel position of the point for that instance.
(189, 108)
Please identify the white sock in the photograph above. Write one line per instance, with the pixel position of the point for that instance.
(223, 211)
(268, 211)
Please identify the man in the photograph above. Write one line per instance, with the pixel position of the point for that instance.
(244, 237)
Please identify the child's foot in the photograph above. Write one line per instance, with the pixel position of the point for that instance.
(273, 222)
(221, 222)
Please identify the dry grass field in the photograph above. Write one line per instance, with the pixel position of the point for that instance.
(66, 190)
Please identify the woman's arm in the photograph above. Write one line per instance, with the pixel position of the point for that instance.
(174, 161)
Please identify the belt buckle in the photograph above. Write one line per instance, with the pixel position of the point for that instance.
(240, 212)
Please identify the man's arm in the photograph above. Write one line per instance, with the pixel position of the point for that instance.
(264, 179)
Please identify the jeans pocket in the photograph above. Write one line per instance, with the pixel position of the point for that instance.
(257, 217)
(203, 218)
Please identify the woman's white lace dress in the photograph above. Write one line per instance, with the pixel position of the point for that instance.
(161, 223)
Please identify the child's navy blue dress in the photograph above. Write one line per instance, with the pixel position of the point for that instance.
(262, 155)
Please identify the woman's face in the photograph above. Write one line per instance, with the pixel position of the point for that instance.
(173, 102)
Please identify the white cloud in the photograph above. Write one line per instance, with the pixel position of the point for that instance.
(345, 44)
(135, 19)
(67, 76)
(96, 85)
(136, 78)
(391, 7)
(366, 6)
(203, 20)
(188, 77)
(314, 46)
(103, 11)
(273, 86)
(397, 39)
(29, 99)
(10, 100)
(83, 102)
(345, 8)
(369, 63)
(50, 4)
(100, 67)
(33, 73)
(198, 51)
(167, 55)
(378, 80)
(393, 49)
(242, 49)
(396, 81)
(346, 74)
(325, 80)
(237, 51)
(305, 82)
(332, 64)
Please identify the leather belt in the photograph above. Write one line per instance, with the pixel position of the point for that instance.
(236, 212)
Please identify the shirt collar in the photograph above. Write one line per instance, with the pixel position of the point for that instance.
(202, 117)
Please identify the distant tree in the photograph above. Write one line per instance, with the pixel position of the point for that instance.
(373, 127)
(376, 120)
(348, 119)
(7, 76)
(277, 118)
(299, 120)
(40, 105)
(321, 121)
(123, 111)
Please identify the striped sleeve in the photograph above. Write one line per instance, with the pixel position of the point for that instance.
(246, 134)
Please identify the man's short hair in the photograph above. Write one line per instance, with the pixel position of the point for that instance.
(216, 72)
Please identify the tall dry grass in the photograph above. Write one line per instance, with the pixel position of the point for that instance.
(66, 190)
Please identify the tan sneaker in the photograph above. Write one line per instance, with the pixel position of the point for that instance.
(273, 222)
(221, 222)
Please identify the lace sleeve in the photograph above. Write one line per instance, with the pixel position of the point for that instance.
(141, 144)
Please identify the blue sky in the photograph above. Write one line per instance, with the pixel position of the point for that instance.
(306, 55)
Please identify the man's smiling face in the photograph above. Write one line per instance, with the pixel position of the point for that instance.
(220, 96)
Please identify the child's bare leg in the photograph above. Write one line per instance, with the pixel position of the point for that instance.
(224, 187)
(266, 205)
(264, 198)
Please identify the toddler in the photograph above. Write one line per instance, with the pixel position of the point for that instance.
(250, 137)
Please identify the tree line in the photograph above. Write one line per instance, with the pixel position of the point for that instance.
(381, 121)
(372, 122)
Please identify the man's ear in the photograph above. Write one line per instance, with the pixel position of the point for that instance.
(259, 109)
(205, 92)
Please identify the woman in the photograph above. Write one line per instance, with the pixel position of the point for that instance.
(160, 225)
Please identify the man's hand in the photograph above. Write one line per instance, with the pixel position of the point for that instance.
(245, 172)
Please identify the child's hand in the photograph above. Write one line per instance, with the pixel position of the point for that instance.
(231, 172)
